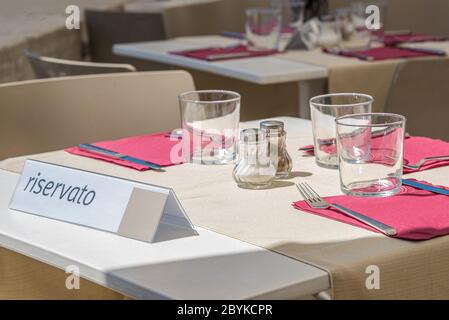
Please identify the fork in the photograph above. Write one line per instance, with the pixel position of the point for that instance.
(315, 201)
(424, 160)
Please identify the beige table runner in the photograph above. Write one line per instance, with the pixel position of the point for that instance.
(266, 218)
(355, 75)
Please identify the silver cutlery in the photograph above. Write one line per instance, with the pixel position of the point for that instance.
(422, 186)
(315, 201)
(423, 161)
(175, 134)
(351, 54)
(116, 155)
(433, 51)
(397, 32)
(219, 56)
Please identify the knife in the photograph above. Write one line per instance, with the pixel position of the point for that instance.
(220, 56)
(117, 155)
(423, 186)
(436, 52)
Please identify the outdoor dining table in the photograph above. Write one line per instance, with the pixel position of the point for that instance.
(315, 72)
(257, 70)
(251, 243)
(207, 266)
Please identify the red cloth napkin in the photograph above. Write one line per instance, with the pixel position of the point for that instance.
(391, 40)
(154, 148)
(416, 148)
(415, 214)
(382, 53)
(204, 54)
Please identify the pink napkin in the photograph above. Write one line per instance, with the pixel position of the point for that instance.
(204, 54)
(415, 148)
(415, 214)
(154, 148)
(391, 40)
(382, 53)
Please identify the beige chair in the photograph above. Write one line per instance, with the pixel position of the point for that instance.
(106, 28)
(419, 91)
(51, 114)
(47, 67)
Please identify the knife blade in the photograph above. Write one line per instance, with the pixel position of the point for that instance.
(220, 56)
(436, 52)
(422, 186)
(116, 155)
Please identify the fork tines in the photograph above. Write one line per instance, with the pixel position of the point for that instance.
(307, 192)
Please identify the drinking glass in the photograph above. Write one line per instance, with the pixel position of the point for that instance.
(210, 120)
(358, 15)
(298, 9)
(324, 32)
(330, 33)
(263, 28)
(370, 153)
(324, 109)
(345, 22)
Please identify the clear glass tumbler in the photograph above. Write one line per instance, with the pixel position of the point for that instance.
(256, 166)
(370, 153)
(210, 122)
(324, 109)
(330, 33)
(263, 28)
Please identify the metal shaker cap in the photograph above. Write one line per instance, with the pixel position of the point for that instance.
(272, 125)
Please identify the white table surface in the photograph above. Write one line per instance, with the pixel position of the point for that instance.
(258, 70)
(208, 266)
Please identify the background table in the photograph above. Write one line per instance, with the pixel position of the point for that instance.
(315, 72)
(311, 78)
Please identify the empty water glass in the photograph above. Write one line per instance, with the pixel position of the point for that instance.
(320, 33)
(263, 28)
(330, 34)
(370, 153)
(324, 109)
(345, 22)
(210, 121)
(297, 12)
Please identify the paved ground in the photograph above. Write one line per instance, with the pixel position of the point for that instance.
(39, 25)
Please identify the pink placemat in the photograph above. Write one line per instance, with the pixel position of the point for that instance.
(158, 148)
(381, 53)
(415, 214)
(210, 54)
(391, 40)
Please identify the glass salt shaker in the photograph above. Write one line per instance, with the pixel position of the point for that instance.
(255, 168)
(277, 140)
